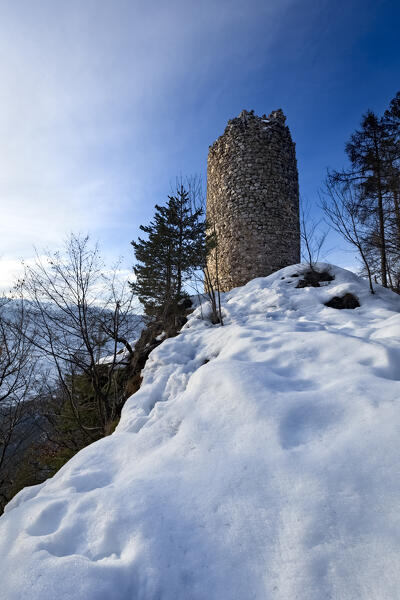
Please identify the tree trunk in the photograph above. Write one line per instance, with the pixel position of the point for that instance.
(382, 243)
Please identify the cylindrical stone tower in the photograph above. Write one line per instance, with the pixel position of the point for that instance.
(253, 199)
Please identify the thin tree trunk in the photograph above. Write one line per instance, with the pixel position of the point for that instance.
(382, 245)
(397, 213)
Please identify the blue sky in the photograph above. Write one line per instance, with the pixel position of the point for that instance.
(103, 103)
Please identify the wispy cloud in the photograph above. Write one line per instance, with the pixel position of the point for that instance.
(87, 93)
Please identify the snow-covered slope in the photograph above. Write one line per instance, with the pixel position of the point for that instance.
(259, 460)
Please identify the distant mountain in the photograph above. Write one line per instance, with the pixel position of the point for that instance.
(10, 310)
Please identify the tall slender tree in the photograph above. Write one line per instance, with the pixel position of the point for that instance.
(173, 251)
(391, 121)
(367, 150)
(368, 193)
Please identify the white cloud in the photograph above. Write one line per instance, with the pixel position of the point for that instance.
(86, 90)
(10, 270)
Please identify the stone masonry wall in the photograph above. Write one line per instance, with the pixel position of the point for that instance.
(253, 199)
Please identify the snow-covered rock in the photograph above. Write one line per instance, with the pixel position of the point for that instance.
(259, 460)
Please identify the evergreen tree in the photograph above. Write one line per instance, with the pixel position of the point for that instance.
(392, 117)
(368, 154)
(391, 120)
(373, 184)
(173, 251)
(153, 271)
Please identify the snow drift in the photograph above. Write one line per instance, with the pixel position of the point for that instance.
(259, 460)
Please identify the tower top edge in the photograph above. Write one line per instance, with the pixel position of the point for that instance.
(245, 115)
(248, 118)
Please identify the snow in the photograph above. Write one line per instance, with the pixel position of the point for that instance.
(259, 460)
(120, 358)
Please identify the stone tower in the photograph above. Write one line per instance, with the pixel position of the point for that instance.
(253, 199)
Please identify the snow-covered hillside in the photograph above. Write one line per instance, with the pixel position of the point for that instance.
(259, 460)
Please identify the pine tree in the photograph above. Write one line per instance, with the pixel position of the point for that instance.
(368, 154)
(391, 120)
(173, 251)
(189, 237)
(373, 184)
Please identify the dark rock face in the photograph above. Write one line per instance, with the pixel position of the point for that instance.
(253, 199)
(313, 278)
(346, 301)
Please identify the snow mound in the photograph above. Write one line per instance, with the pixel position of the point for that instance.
(259, 460)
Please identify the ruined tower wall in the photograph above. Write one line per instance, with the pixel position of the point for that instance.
(253, 199)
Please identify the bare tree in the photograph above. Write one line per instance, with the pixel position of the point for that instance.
(205, 280)
(312, 237)
(342, 212)
(211, 284)
(82, 313)
(18, 379)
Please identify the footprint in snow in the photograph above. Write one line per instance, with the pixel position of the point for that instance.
(86, 482)
(48, 520)
(305, 422)
(308, 326)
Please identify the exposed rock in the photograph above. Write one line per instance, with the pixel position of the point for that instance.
(313, 278)
(346, 301)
